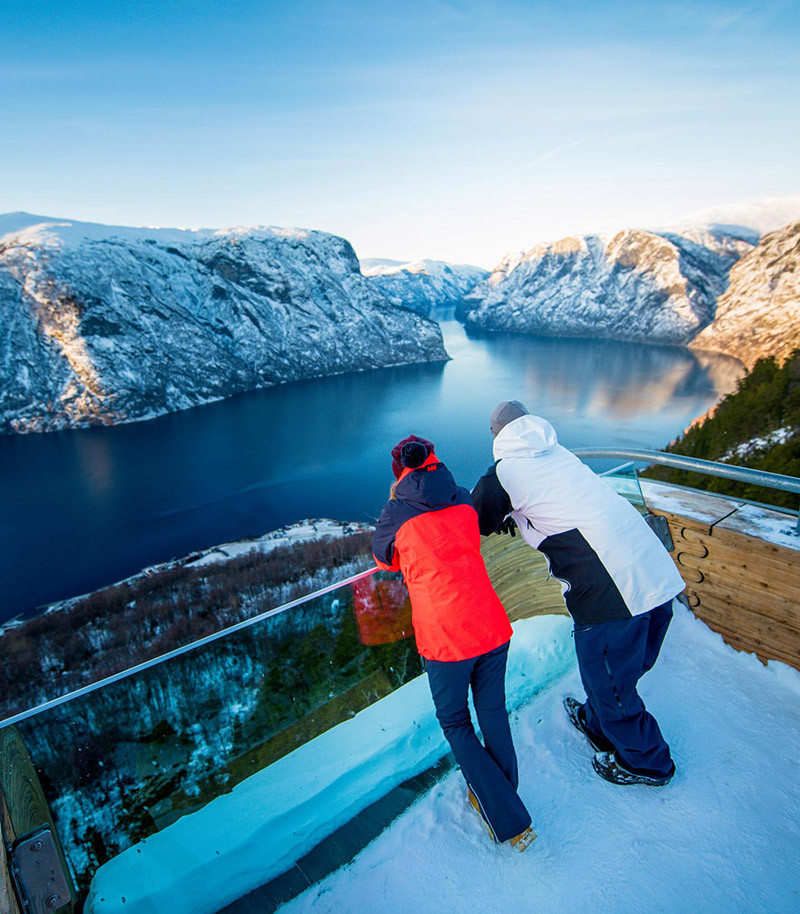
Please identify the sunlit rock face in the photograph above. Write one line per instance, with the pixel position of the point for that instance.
(423, 285)
(104, 324)
(759, 313)
(637, 285)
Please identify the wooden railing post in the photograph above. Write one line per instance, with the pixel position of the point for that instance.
(23, 809)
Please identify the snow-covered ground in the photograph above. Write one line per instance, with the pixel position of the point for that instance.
(760, 443)
(304, 531)
(244, 838)
(722, 837)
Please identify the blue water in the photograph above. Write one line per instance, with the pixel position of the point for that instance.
(81, 509)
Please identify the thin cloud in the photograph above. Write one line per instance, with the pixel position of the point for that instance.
(486, 182)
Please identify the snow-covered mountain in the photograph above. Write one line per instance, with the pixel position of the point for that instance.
(636, 285)
(103, 324)
(422, 285)
(759, 313)
(750, 219)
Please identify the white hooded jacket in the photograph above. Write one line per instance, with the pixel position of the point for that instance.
(562, 508)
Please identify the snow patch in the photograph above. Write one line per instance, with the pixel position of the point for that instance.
(304, 531)
(761, 443)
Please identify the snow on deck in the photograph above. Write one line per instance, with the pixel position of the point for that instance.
(723, 836)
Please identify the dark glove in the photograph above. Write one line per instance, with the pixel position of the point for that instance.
(509, 525)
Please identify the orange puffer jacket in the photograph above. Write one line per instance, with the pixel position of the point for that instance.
(430, 533)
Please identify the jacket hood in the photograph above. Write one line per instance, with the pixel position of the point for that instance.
(431, 487)
(528, 436)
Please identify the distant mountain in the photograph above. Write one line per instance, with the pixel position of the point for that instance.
(751, 219)
(759, 313)
(422, 285)
(636, 285)
(105, 324)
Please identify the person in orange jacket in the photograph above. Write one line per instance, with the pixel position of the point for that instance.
(428, 530)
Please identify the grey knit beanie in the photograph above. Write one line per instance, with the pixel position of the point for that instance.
(506, 411)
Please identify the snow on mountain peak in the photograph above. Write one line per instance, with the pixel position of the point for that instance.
(71, 232)
(755, 217)
(634, 285)
(422, 284)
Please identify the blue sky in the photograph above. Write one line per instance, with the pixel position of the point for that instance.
(452, 129)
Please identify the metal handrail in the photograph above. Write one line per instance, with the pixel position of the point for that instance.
(695, 465)
(638, 455)
(193, 645)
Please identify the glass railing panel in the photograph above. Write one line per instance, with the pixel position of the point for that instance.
(119, 627)
(223, 763)
(624, 480)
(137, 758)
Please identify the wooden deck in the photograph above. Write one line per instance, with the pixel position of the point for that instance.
(741, 564)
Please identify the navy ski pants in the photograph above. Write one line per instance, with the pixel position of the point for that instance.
(490, 770)
(612, 658)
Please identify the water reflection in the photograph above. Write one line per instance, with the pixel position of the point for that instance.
(619, 380)
(84, 508)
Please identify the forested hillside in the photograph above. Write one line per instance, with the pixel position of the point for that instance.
(758, 426)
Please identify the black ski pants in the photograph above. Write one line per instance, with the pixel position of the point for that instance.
(490, 769)
(612, 658)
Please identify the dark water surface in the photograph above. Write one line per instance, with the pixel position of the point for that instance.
(81, 509)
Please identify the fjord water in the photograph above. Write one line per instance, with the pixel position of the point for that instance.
(81, 509)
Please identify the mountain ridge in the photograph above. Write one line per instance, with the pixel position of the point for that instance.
(106, 324)
(758, 315)
(635, 285)
(422, 285)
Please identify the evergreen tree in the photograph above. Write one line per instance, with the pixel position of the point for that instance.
(737, 432)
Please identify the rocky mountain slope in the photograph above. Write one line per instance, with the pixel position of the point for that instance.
(105, 324)
(759, 313)
(637, 285)
(424, 284)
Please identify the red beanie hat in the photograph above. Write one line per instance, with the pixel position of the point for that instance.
(397, 466)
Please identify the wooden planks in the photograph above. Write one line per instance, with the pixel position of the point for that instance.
(749, 630)
(8, 901)
(521, 577)
(741, 565)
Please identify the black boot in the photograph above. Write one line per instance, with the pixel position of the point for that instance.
(608, 766)
(577, 715)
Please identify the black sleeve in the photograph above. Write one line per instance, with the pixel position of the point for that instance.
(491, 501)
(383, 539)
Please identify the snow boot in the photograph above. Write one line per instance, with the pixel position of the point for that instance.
(523, 840)
(608, 766)
(519, 842)
(473, 802)
(577, 715)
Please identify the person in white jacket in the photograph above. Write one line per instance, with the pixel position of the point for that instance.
(618, 582)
